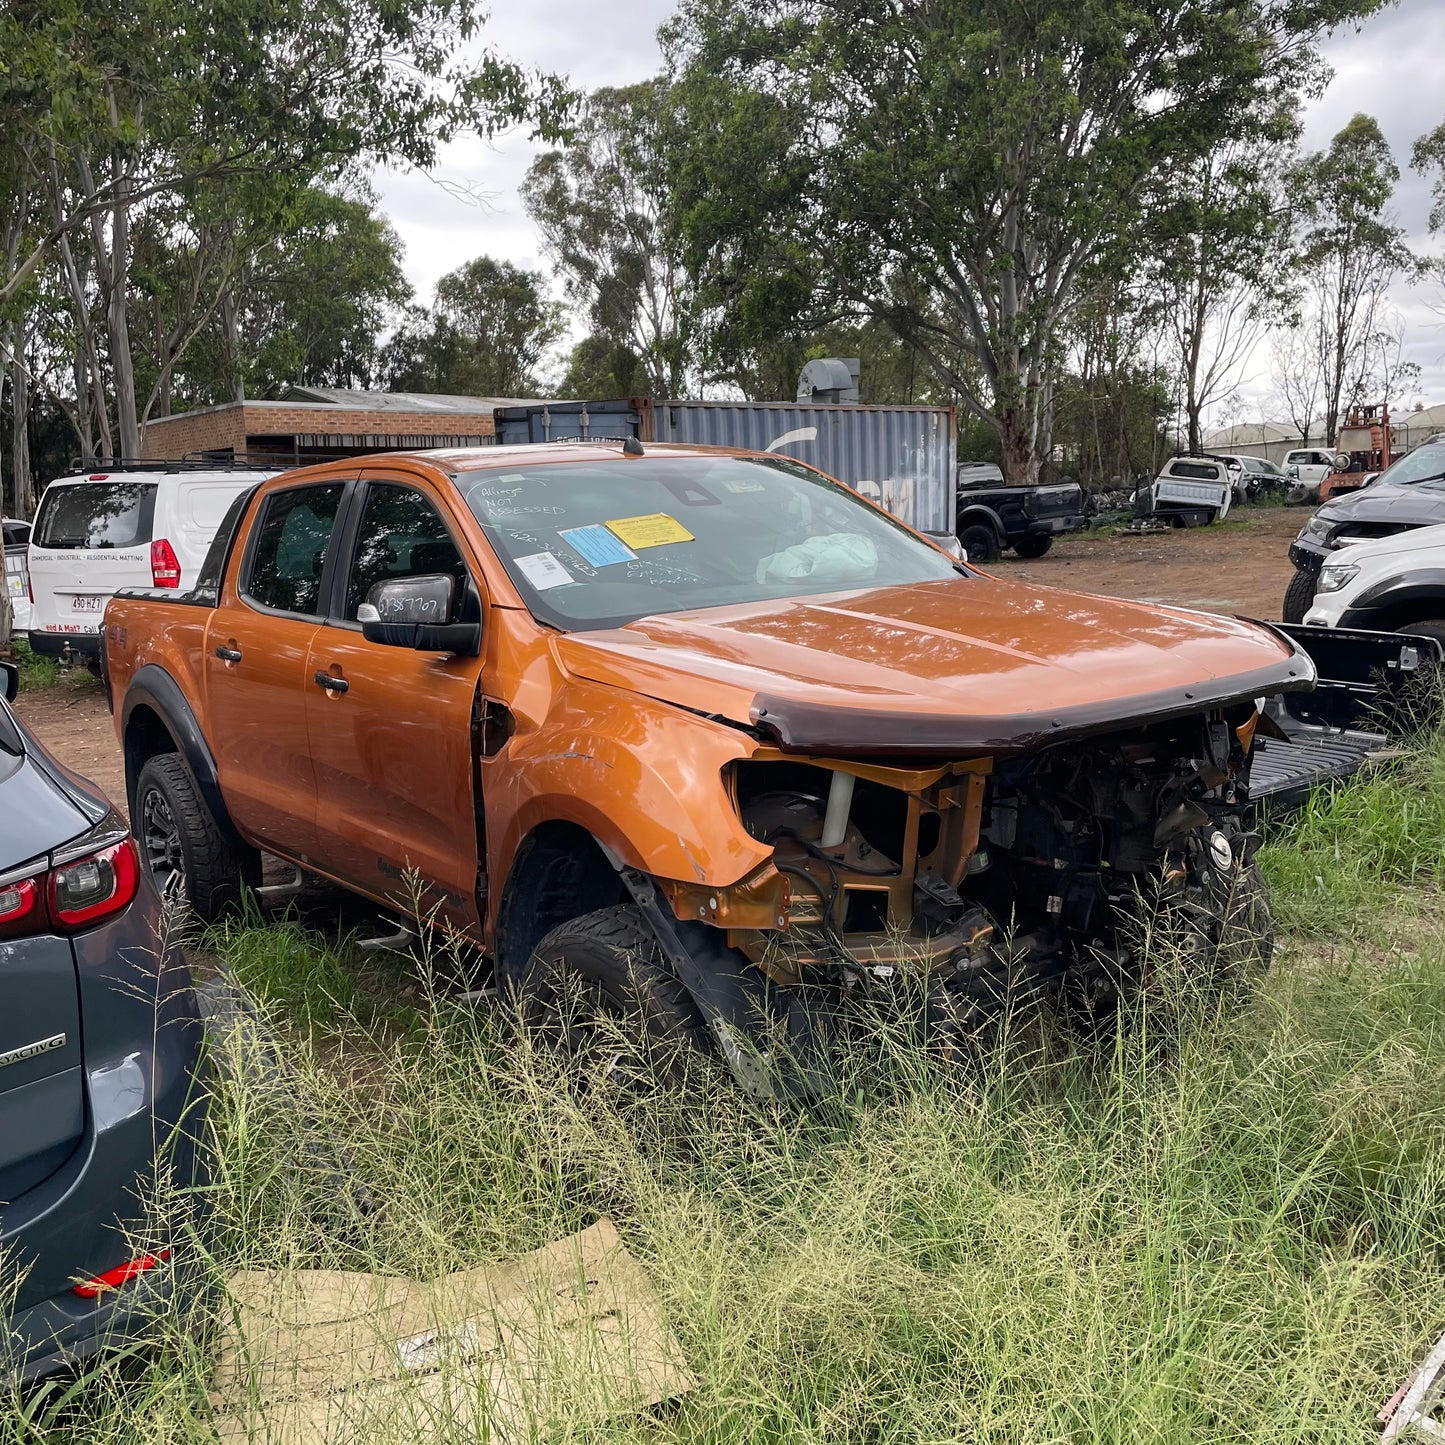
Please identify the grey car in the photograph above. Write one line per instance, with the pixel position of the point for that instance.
(100, 1082)
(1409, 493)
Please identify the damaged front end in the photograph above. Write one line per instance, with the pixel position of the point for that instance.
(998, 879)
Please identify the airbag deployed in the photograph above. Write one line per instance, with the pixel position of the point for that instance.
(836, 557)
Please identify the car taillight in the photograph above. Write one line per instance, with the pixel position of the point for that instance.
(90, 888)
(165, 566)
(20, 901)
(113, 1278)
(87, 881)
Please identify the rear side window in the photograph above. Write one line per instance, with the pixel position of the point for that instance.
(1196, 471)
(292, 543)
(96, 516)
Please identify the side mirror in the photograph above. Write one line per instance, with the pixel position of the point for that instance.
(9, 680)
(413, 612)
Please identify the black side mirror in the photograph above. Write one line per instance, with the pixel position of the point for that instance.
(9, 680)
(414, 611)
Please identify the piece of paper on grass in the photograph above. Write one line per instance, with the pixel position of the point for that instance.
(564, 1337)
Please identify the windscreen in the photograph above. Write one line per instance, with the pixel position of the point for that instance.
(95, 516)
(1424, 464)
(600, 544)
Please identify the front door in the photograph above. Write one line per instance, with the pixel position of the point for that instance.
(257, 686)
(391, 728)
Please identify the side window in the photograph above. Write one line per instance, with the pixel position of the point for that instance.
(400, 535)
(291, 545)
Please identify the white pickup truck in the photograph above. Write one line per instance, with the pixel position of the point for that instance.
(1193, 491)
(1387, 584)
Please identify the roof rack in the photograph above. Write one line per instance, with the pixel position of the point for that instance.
(200, 462)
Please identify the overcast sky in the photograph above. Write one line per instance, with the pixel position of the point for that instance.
(469, 206)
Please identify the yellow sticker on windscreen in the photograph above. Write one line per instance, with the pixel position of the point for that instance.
(653, 530)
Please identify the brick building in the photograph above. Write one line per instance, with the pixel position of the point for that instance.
(316, 422)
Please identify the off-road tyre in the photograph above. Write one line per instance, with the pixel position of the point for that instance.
(979, 542)
(1299, 596)
(1031, 547)
(1430, 627)
(598, 991)
(207, 876)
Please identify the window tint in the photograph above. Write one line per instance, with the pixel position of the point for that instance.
(400, 535)
(291, 547)
(1196, 471)
(96, 516)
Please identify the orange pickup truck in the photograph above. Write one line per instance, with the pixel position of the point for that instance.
(696, 740)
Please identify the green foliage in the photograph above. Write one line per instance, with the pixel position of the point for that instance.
(1428, 156)
(603, 206)
(952, 168)
(1349, 250)
(599, 369)
(488, 331)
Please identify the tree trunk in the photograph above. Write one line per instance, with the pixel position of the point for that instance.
(118, 324)
(1020, 455)
(20, 427)
(230, 332)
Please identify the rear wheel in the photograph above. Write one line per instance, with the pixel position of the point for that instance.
(1299, 595)
(598, 990)
(979, 542)
(1031, 547)
(193, 867)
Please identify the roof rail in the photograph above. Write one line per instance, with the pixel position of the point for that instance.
(200, 462)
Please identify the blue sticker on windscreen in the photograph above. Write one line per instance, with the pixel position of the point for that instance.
(597, 545)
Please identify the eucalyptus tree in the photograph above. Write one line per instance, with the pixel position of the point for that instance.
(953, 168)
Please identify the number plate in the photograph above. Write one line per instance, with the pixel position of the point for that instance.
(87, 602)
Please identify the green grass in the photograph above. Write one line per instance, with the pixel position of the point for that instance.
(38, 673)
(1232, 1231)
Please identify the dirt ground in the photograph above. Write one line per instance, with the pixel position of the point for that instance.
(1240, 566)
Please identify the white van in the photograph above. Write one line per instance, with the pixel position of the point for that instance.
(132, 526)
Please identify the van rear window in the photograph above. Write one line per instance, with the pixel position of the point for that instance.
(96, 516)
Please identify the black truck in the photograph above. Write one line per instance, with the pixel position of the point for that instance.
(993, 516)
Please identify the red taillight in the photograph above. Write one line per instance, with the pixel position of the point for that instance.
(19, 903)
(96, 876)
(95, 886)
(114, 1278)
(165, 565)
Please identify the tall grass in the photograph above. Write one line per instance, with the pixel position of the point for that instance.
(1231, 1231)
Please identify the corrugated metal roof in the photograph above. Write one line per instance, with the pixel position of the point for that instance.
(413, 401)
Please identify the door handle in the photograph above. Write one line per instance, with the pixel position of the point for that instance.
(229, 654)
(332, 683)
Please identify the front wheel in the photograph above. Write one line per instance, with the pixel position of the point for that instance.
(1432, 628)
(192, 865)
(1031, 547)
(1299, 596)
(598, 991)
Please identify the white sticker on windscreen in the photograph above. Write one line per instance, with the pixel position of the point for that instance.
(543, 570)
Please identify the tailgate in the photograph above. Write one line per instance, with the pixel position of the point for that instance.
(1191, 494)
(1063, 500)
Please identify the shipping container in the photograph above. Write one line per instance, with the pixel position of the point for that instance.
(902, 457)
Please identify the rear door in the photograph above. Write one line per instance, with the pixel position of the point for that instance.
(257, 644)
(91, 537)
